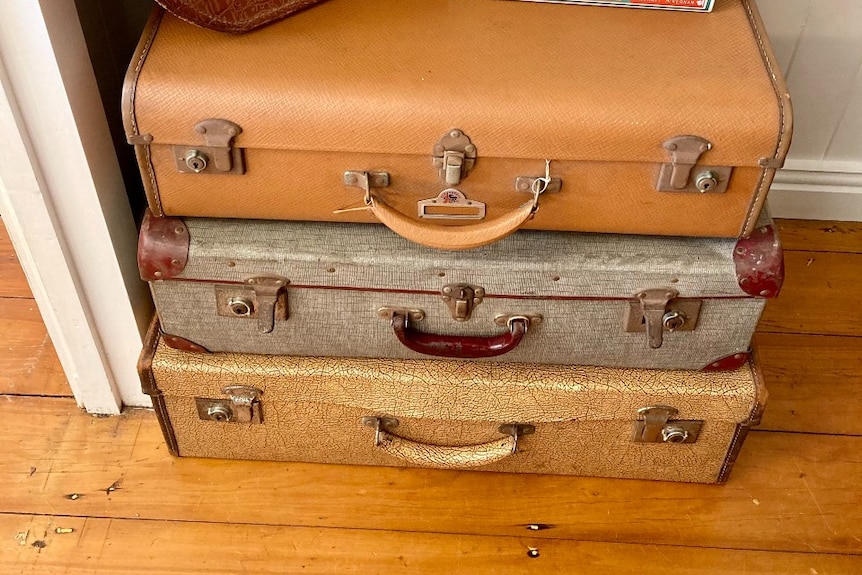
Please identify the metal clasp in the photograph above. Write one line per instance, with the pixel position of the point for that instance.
(242, 406)
(685, 152)
(454, 157)
(461, 299)
(217, 155)
(517, 430)
(656, 311)
(263, 299)
(654, 425)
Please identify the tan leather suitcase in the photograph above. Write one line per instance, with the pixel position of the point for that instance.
(455, 123)
(647, 424)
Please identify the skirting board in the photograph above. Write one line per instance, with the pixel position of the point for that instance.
(813, 191)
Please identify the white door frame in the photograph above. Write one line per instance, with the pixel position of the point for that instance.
(64, 203)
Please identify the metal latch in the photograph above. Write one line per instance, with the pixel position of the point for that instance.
(656, 311)
(655, 425)
(454, 157)
(461, 299)
(685, 151)
(241, 406)
(263, 299)
(217, 156)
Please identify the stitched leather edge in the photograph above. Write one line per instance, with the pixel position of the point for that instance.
(130, 90)
(761, 395)
(785, 128)
(150, 386)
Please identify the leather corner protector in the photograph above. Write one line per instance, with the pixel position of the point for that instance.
(163, 247)
(728, 363)
(759, 261)
(182, 344)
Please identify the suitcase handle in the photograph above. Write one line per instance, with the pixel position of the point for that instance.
(456, 346)
(446, 457)
(451, 237)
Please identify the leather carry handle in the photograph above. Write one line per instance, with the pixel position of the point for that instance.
(456, 346)
(451, 237)
(446, 237)
(447, 457)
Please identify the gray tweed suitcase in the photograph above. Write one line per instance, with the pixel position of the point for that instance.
(349, 290)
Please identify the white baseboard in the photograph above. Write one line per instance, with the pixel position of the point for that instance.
(801, 191)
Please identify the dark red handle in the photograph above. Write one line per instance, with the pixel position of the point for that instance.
(456, 346)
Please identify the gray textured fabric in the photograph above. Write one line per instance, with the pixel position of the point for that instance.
(525, 273)
(528, 263)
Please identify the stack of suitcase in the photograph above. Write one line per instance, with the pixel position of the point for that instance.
(499, 235)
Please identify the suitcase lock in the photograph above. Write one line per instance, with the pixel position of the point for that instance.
(264, 299)
(656, 311)
(685, 152)
(241, 406)
(654, 425)
(454, 157)
(217, 155)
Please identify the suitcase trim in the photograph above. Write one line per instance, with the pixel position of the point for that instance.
(785, 115)
(760, 400)
(141, 141)
(150, 387)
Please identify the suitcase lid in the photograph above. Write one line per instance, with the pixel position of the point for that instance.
(526, 264)
(521, 79)
(445, 390)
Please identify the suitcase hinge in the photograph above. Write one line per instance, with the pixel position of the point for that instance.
(657, 310)
(264, 299)
(461, 299)
(454, 157)
(683, 174)
(241, 406)
(655, 425)
(217, 156)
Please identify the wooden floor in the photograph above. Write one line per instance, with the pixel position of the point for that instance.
(80, 494)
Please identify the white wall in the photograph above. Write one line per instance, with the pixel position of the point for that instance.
(819, 46)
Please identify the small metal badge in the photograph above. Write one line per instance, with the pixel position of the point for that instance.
(451, 204)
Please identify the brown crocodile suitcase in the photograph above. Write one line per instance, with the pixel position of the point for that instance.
(628, 423)
(455, 123)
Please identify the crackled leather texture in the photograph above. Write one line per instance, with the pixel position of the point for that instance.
(234, 16)
(595, 91)
(584, 417)
(581, 284)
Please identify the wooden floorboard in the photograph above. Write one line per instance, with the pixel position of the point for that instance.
(13, 282)
(820, 295)
(814, 382)
(100, 546)
(788, 492)
(813, 235)
(28, 362)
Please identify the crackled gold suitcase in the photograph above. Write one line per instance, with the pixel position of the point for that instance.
(455, 123)
(628, 423)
